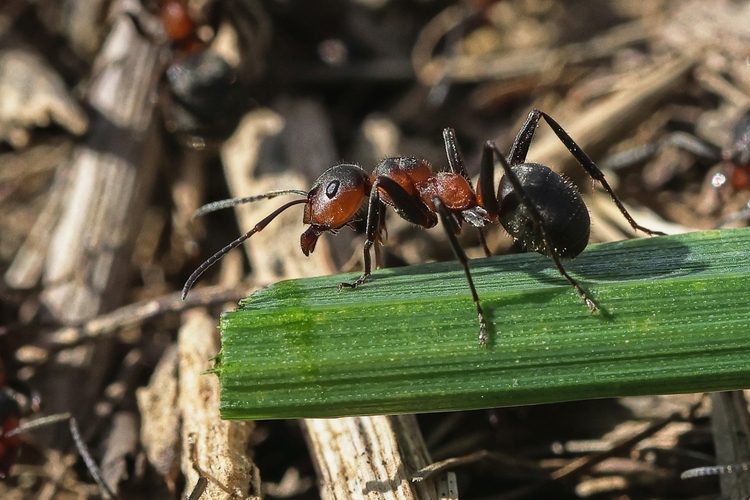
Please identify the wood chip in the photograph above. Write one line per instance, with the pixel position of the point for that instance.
(369, 457)
(219, 446)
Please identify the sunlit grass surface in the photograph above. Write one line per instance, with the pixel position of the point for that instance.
(674, 317)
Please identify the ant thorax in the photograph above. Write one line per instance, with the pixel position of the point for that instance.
(406, 171)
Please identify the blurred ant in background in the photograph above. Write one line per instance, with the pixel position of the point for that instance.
(736, 157)
(205, 96)
(732, 161)
(15, 400)
(539, 208)
(179, 26)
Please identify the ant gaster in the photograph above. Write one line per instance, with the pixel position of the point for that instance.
(538, 207)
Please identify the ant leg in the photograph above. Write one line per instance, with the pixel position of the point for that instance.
(590, 167)
(83, 450)
(520, 147)
(556, 259)
(94, 469)
(458, 166)
(408, 207)
(538, 221)
(203, 476)
(680, 140)
(221, 253)
(486, 186)
(483, 242)
(450, 226)
(381, 236)
(373, 223)
(453, 152)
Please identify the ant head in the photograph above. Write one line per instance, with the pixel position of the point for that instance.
(333, 201)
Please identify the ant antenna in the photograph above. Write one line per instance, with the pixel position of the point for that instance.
(233, 202)
(715, 470)
(39, 422)
(221, 253)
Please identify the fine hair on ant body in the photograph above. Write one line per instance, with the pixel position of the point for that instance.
(538, 207)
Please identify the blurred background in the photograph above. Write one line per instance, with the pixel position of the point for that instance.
(119, 118)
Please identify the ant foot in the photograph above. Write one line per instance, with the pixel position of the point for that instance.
(648, 231)
(482, 330)
(359, 281)
(591, 304)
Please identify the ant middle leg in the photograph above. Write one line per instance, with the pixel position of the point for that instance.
(556, 259)
(458, 166)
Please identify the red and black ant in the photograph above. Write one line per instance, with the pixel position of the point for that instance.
(732, 160)
(204, 97)
(539, 208)
(11, 430)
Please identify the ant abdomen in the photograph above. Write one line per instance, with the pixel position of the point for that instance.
(560, 205)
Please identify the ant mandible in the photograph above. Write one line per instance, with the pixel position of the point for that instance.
(539, 208)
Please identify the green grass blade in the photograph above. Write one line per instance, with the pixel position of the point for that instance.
(674, 317)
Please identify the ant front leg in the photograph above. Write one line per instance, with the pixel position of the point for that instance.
(373, 225)
(409, 207)
(537, 220)
(449, 223)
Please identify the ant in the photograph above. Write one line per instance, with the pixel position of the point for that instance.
(732, 160)
(539, 208)
(11, 429)
(736, 156)
(204, 96)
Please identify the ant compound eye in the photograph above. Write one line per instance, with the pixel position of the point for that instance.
(332, 188)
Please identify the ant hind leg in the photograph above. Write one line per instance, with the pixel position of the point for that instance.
(590, 167)
(538, 222)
